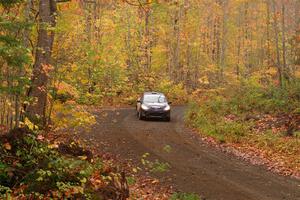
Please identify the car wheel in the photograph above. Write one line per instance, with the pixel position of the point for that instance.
(168, 119)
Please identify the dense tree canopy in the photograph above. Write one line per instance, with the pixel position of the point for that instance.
(111, 49)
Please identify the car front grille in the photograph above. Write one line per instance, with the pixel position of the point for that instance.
(156, 109)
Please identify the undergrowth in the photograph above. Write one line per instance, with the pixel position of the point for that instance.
(185, 196)
(31, 168)
(125, 93)
(231, 114)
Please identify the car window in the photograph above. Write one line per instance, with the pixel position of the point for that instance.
(154, 98)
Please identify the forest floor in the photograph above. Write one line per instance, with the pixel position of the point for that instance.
(175, 158)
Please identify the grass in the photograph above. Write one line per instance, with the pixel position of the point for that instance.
(131, 180)
(155, 166)
(167, 148)
(185, 196)
(160, 167)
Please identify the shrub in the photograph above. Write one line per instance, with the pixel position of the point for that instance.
(210, 119)
(70, 115)
(185, 196)
(252, 97)
(90, 99)
(34, 166)
(174, 92)
(210, 111)
(32, 169)
(64, 92)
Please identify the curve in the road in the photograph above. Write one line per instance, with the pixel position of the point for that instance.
(195, 166)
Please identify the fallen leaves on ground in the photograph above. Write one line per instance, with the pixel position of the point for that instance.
(274, 161)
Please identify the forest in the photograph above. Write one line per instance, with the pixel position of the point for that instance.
(234, 65)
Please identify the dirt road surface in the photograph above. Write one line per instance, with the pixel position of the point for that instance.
(195, 167)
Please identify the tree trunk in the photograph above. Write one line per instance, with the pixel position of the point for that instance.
(147, 39)
(246, 39)
(224, 33)
(176, 43)
(285, 70)
(268, 34)
(38, 91)
(275, 24)
(239, 41)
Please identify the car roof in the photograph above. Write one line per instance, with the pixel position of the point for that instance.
(157, 93)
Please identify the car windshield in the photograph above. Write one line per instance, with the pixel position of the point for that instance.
(155, 98)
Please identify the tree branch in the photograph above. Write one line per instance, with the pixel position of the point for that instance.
(139, 4)
(62, 1)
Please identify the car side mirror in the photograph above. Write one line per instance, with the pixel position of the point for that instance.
(170, 102)
(138, 101)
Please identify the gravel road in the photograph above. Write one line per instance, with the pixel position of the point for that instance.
(194, 166)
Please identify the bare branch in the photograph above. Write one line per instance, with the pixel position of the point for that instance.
(139, 4)
(62, 1)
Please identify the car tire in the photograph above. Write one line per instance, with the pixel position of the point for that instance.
(168, 119)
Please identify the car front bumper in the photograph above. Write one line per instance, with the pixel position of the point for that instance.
(151, 113)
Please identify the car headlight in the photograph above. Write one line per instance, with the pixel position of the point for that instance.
(167, 108)
(144, 107)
